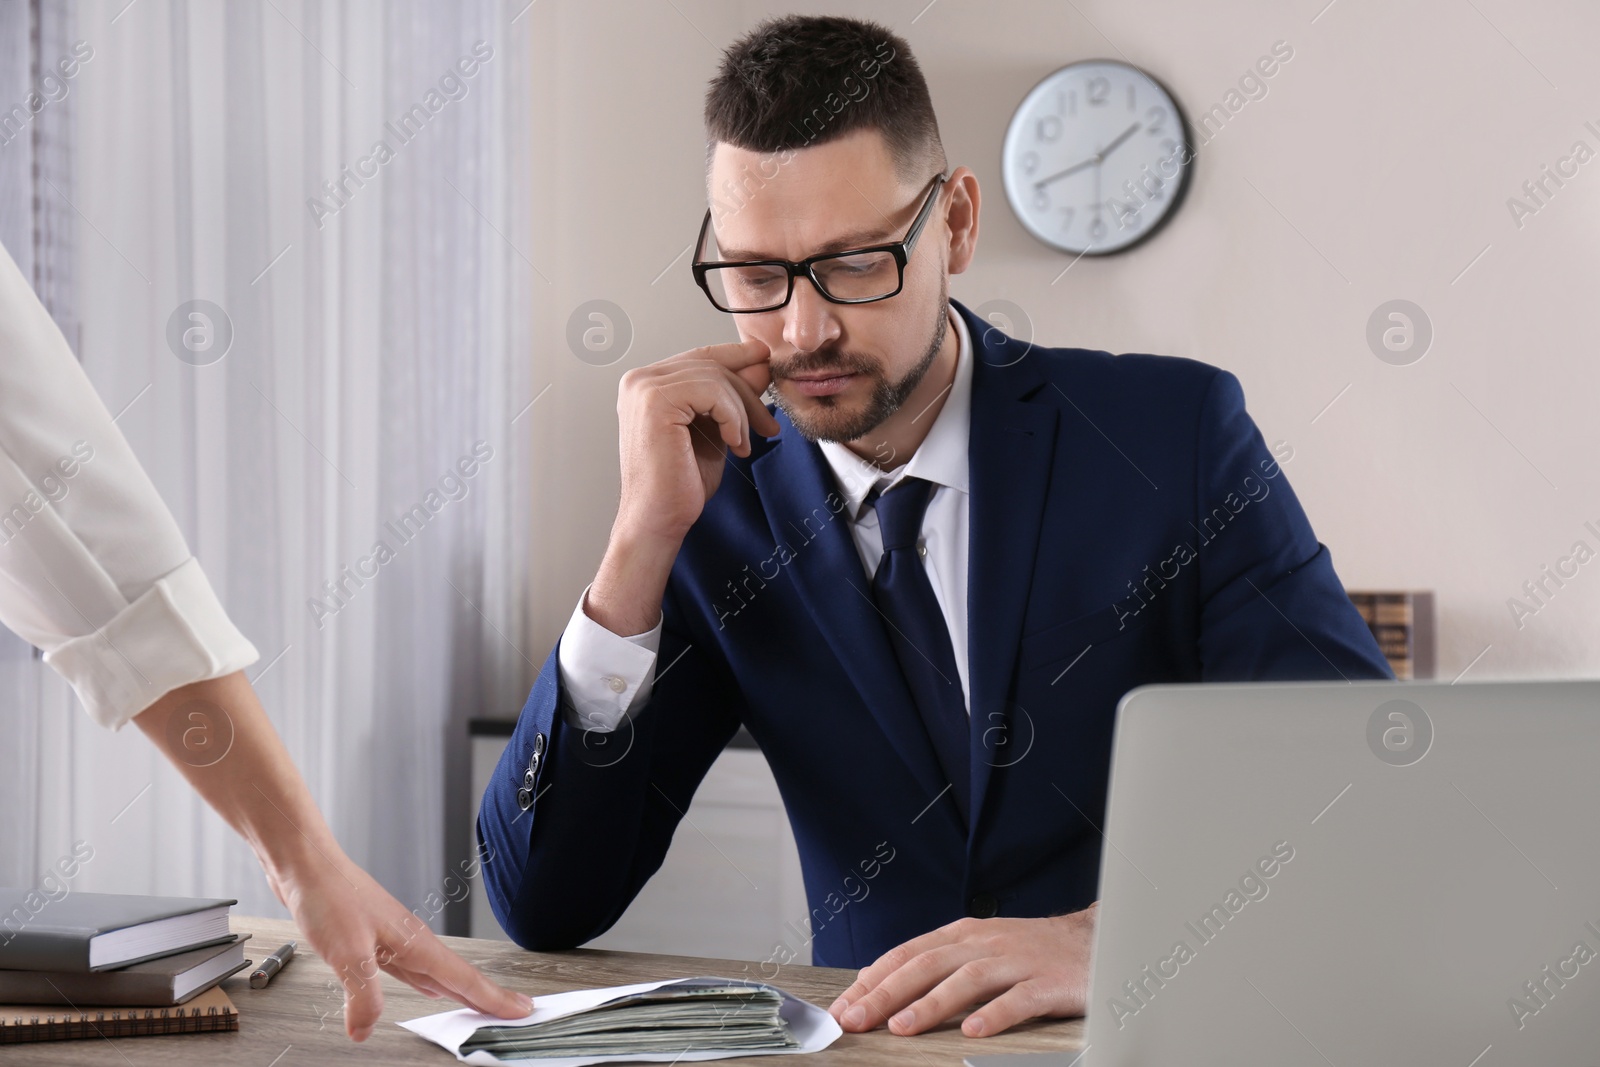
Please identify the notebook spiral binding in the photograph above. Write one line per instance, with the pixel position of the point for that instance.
(122, 1023)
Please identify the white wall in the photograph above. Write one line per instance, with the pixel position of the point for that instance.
(1377, 167)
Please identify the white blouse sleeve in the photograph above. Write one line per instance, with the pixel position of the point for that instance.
(93, 569)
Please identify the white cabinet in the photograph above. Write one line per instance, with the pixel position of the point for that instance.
(730, 886)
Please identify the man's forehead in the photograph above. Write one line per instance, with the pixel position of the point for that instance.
(785, 204)
(825, 226)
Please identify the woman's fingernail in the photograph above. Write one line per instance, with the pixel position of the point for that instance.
(833, 1009)
(855, 1016)
(974, 1026)
(905, 1020)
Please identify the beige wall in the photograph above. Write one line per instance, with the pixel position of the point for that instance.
(1377, 167)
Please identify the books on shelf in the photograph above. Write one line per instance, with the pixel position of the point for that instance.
(1403, 624)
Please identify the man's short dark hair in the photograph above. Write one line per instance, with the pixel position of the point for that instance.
(797, 81)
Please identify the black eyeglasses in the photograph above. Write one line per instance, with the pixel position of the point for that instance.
(857, 276)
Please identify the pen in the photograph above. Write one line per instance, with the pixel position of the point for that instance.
(271, 966)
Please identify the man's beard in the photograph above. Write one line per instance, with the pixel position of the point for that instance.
(829, 421)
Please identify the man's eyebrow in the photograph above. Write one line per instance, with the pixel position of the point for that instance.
(842, 243)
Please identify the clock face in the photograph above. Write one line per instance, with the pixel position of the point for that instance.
(1096, 158)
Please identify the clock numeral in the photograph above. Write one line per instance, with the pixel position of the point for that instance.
(1030, 162)
(1131, 104)
(1169, 149)
(1098, 91)
(1130, 221)
(1067, 214)
(1048, 129)
(1041, 199)
(1097, 228)
(1067, 102)
(1153, 120)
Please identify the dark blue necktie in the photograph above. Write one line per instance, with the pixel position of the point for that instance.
(918, 632)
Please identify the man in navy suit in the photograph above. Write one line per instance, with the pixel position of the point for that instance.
(922, 580)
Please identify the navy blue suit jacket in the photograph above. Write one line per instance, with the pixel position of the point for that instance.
(1128, 525)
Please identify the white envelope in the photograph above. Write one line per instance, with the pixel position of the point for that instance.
(813, 1027)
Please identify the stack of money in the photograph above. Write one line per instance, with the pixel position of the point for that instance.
(732, 1016)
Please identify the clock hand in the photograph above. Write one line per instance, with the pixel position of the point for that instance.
(1091, 161)
(1123, 136)
(1097, 201)
(1094, 160)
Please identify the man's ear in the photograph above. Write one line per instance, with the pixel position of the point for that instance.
(961, 217)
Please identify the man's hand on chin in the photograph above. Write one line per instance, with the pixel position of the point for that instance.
(1014, 969)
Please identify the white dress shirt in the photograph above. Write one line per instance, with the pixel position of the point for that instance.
(93, 569)
(608, 676)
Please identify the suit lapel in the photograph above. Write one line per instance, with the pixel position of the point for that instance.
(798, 494)
(1011, 445)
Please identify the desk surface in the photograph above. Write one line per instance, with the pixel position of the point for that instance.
(296, 1020)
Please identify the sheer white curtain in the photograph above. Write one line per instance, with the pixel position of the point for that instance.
(347, 183)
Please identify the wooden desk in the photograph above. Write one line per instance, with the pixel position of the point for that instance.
(296, 1020)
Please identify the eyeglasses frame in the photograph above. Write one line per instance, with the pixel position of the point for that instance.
(901, 250)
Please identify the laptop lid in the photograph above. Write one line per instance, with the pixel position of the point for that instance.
(1361, 873)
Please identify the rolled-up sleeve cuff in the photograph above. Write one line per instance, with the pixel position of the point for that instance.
(175, 633)
(605, 675)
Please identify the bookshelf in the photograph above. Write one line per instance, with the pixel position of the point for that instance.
(1402, 621)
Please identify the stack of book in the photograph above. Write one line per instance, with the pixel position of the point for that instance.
(1402, 622)
(111, 964)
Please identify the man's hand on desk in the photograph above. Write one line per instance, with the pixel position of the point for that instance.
(1015, 969)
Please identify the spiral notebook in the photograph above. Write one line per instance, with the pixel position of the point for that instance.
(210, 1011)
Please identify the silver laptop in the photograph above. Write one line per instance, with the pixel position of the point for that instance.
(1371, 873)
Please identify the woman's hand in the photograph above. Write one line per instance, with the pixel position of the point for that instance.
(218, 735)
(358, 929)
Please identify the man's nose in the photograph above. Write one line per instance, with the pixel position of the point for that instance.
(809, 321)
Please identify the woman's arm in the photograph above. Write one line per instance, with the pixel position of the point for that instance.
(350, 920)
(94, 571)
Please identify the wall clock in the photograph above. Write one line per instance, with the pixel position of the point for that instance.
(1097, 158)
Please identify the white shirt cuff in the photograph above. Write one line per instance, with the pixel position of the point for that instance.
(175, 633)
(606, 676)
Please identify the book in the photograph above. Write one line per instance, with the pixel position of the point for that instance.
(1403, 625)
(163, 982)
(210, 1011)
(82, 932)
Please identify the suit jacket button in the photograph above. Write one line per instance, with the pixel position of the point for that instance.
(524, 798)
(528, 778)
(538, 744)
(983, 906)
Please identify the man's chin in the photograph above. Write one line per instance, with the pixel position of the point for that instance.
(826, 418)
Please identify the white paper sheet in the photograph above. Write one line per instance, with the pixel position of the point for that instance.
(813, 1027)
